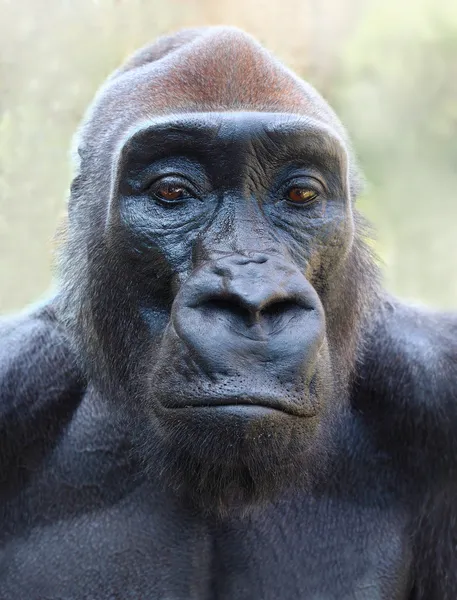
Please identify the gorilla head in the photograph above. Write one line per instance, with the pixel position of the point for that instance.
(213, 273)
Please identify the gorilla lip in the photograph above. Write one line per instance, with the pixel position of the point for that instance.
(263, 408)
(242, 403)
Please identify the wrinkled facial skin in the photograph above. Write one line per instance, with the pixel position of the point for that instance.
(223, 232)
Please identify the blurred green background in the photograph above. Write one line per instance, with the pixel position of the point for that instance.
(388, 67)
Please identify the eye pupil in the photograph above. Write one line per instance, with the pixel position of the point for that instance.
(170, 192)
(301, 195)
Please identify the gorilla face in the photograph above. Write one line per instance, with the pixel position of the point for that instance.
(210, 299)
(240, 210)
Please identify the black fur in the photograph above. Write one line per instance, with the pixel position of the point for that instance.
(221, 401)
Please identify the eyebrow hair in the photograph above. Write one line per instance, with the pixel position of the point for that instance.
(210, 125)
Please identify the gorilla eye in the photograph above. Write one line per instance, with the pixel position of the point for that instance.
(170, 191)
(301, 195)
(167, 192)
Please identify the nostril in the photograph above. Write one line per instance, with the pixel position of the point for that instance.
(279, 313)
(279, 308)
(230, 306)
(275, 314)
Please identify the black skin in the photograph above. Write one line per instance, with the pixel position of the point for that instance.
(226, 405)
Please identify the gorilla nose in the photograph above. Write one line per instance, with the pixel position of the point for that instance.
(256, 295)
(251, 315)
(253, 297)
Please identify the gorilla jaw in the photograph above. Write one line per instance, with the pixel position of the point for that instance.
(232, 459)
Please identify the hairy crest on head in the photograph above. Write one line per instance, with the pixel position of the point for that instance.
(123, 307)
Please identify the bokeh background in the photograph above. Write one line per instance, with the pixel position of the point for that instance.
(389, 68)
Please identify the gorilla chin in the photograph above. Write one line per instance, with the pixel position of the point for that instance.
(232, 458)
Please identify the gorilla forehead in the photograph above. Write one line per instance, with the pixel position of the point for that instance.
(216, 69)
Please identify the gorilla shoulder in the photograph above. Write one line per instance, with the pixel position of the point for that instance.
(39, 381)
(407, 384)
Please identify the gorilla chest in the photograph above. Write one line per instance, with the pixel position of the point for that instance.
(321, 551)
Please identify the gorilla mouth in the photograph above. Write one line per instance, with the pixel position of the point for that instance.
(239, 405)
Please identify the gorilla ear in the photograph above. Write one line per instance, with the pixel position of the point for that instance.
(75, 190)
(357, 180)
(77, 153)
(79, 159)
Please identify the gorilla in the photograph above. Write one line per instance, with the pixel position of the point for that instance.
(220, 401)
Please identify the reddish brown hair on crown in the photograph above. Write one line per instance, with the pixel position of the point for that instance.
(211, 69)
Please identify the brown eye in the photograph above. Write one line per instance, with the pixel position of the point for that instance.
(300, 195)
(169, 192)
